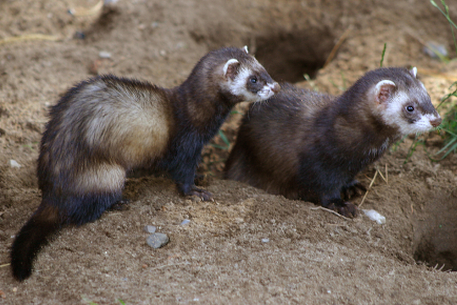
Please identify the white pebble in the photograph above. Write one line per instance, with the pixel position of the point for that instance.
(375, 216)
(265, 240)
(185, 222)
(104, 54)
(150, 229)
(14, 164)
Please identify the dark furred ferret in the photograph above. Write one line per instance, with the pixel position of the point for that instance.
(105, 126)
(310, 146)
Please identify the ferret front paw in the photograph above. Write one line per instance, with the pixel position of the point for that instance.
(348, 210)
(344, 208)
(121, 205)
(204, 195)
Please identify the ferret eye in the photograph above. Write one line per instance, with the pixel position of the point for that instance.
(410, 108)
(254, 80)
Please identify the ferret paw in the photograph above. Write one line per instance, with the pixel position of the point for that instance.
(353, 189)
(346, 209)
(204, 195)
(121, 205)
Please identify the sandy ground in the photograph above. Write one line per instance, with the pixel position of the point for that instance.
(312, 256)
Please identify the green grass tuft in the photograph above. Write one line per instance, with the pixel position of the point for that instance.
(445, 12)
(382, 55)
(224, 139)
(449, 124)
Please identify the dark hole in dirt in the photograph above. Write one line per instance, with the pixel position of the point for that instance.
(104, 24)
(288, 55)
(435, 237)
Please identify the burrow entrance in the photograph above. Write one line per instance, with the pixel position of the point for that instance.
(435, 236)
(288, 55)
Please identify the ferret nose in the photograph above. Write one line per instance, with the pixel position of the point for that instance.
(276, 88)
(436, 122)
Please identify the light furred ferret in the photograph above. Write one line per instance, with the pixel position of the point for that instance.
(106, 126)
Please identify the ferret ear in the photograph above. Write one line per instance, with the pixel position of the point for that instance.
(384, 90)
(246, 49)
(413, 72)
(230, 68)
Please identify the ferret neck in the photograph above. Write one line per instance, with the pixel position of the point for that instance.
(360, 116)
(203, 110)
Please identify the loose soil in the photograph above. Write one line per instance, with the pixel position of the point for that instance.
(312, 256)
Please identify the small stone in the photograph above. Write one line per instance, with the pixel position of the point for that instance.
(195, 198)
(79, 35)
(375, 216)
(150, 229)
(158, 240)
(435, 50)
(239, 220)
(14, 164)
(185, 222)
(104, 54)
(265, 240)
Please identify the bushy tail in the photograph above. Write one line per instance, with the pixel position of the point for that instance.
(33, 235)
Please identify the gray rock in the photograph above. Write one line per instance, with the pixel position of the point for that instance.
(14, 164)
(150, 229)
(158, 240)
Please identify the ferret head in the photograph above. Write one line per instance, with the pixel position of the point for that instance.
(402, 100)
(245, 78)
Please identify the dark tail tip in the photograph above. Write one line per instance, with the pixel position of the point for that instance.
(33, 235)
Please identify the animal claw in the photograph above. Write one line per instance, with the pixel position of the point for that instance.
(204, 195)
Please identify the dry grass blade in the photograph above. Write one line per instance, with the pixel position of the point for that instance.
(29, 37)
(336, 47)
(369, 188)
(169, 265)
(380, 174)
(387, 175)
(331, 211)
